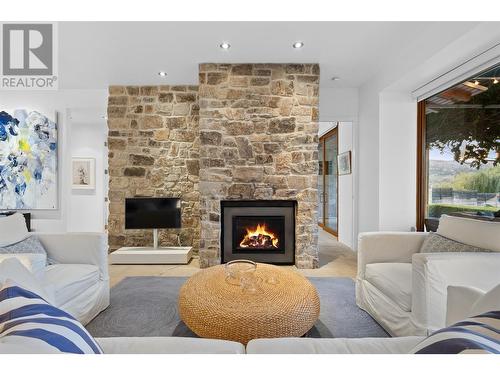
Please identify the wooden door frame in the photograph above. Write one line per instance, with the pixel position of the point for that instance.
(421, 167)
(322, 139)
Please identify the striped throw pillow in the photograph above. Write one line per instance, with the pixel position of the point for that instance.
(479, 334)
(29, 322)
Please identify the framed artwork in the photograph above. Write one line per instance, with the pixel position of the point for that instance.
(344, 163)
(83, 173)
(28, 160)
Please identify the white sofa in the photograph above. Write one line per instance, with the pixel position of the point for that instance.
(294, 345)
(76, 280)
(405, 291)
(79, 279)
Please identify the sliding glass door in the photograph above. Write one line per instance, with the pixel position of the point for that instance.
(327, 181)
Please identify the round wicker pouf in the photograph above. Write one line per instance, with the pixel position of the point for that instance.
(215, 308)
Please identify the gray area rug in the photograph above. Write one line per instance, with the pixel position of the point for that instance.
(147, 306)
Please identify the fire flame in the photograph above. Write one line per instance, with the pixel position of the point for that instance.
(259, 237)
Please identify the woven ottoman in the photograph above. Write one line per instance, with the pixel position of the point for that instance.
(215, 308)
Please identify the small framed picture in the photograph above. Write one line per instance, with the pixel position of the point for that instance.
(344, 163)
(83, 173)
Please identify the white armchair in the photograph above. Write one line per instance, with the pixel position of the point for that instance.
(405, 291)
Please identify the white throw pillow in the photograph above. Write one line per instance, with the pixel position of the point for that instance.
(478, 233)
(464, 301)
(11, 268)
(12, 229)
(490, 301)
(35, 263)
(460, 300)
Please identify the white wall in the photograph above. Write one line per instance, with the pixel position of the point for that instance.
(397, 161)
(341, 105)
(338, 104)
(367, 142)
(62, 101)
(86, 211)
(345, 186)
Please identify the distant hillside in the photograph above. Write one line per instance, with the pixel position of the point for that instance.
(443, 170)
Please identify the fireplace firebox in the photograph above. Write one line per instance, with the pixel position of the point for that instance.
(260, 230)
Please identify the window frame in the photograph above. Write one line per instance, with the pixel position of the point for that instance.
(422, 157)
(421, 164)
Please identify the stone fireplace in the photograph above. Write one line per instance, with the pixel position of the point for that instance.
(259, 141)
(248, 132)
(258, 230)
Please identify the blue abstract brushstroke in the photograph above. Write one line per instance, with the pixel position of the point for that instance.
(3, 184)
(37, 174)
(3, 133)
(20, 188)
(7, 122)
(42, 131)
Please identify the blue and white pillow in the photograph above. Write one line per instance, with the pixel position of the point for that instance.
(29, 322)
(479, 334)
(29, 245)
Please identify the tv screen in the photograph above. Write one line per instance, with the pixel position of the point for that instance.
(151, 213)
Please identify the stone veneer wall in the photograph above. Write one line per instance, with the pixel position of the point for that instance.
(153, 151)
(259, 140)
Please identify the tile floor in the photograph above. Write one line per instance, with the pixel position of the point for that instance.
(335, 259)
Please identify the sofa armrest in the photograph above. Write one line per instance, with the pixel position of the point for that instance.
(387, 247)
(77, 248)
(434, 272)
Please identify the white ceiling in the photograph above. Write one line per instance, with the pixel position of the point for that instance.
(94, 55)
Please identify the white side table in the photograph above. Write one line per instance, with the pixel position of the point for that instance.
(150, 255)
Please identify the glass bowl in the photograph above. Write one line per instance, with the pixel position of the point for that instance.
(235, 269)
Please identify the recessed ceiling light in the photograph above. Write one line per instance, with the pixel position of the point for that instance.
(335, 78)
(162, 74)
(225, 45)
(298, 44)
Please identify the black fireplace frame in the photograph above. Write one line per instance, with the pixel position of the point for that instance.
(286, 257)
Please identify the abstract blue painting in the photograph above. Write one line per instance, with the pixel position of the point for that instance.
(28, 160)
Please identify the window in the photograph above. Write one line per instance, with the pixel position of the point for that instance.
(459, 149)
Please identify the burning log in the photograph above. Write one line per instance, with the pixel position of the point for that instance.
(259, 237)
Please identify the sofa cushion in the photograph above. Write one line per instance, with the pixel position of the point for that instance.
(28, 324)
(301, 345)
(16, 268)
(478, 233)
(435, 243)
(478, 334)
(12, 229)
(168, 345)
(70, 280)
(394, 280)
